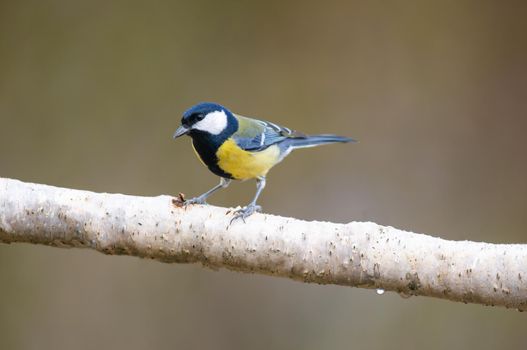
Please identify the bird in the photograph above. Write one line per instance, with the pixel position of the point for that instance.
(235, 147)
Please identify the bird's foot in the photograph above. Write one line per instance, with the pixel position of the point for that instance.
(245, 212)
(196, 200)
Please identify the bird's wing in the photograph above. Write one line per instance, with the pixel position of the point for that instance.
(255, 135)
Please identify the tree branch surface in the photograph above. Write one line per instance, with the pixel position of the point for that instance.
(357, 254)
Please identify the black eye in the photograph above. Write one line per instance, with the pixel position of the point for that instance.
(200, 117)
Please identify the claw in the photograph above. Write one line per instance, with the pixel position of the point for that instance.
(195, 200)
(245, 212)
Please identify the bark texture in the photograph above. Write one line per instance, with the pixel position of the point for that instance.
(358, 254)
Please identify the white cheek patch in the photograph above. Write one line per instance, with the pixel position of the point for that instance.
(213, 123)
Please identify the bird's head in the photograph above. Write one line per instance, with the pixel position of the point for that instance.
(206, 119)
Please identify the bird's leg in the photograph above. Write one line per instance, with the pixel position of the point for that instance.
(202, 199)
(245, 212)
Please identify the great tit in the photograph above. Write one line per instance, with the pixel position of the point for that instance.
(241, 148)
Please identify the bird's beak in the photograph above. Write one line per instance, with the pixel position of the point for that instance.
(182, 130)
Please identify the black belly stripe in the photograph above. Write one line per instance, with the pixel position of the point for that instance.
(207, 152)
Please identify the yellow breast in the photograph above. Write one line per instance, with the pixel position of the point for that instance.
(243, 164)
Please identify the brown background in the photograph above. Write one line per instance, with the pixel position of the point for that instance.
(91, 92)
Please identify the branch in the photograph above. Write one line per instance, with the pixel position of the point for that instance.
(358, 254)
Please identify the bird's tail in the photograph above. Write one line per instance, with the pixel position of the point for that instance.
(317, 140)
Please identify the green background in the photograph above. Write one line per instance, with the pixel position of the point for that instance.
(436, 92)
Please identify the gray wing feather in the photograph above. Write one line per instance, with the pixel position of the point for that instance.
(270, 134)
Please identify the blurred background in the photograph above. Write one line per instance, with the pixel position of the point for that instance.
(91, 92)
